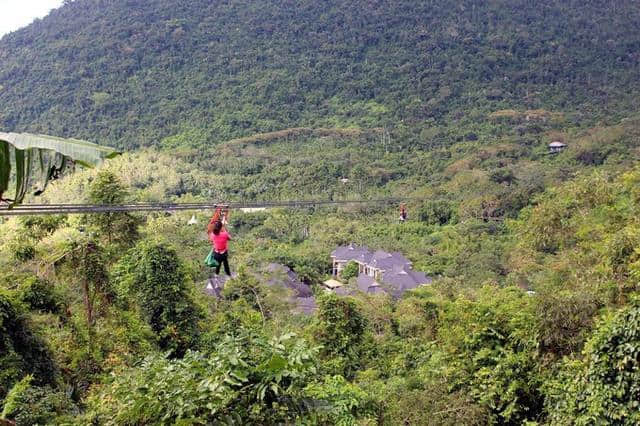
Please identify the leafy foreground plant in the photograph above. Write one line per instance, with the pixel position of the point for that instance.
(21, 351)
(604, 387)
(31, 405)
(39, 159)
(155, 275)
(242, 380)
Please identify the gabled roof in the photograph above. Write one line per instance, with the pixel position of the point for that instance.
(398, 275)
(364, 257)
(399, 258)
(367, 284)
(379, 259)
(399, 280)
(380, 255)
(283, 275)
(386, 261)
(352, 252)
(420, 277)
(301, 294)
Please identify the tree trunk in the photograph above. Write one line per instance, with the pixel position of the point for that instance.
(87, 302)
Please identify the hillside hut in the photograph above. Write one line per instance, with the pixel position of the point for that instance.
(556, 147)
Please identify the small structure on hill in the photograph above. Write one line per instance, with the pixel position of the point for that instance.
(332, 284)
(556, 147)
(379, 271)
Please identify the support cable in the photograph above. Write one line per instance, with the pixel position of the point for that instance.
(49, 209)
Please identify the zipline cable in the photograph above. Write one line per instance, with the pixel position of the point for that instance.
(49, 209)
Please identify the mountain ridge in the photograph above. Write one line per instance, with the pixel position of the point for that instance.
(133, 73)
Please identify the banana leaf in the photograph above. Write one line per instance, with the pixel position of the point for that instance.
(5, 168)
(82, 152)
(38, 159)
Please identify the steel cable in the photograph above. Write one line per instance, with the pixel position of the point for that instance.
(45, 209)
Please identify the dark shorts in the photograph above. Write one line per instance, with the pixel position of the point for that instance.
(222, 259)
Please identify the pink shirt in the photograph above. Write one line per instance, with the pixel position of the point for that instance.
(220, 241)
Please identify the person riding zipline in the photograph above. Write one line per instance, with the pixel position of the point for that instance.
(219, 238)
(403, 213)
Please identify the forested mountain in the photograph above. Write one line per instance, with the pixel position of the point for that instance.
(533, 313)
(133, 72)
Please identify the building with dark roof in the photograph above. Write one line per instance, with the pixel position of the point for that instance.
(301, 293)
(274, 275)
(379, 271)
(278, 274)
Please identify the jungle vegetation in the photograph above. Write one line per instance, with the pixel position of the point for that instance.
(533, 316)
(134, 74)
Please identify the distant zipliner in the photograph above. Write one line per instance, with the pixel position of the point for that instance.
(403, 212)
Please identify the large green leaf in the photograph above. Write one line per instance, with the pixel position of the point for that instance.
(40, 158)
(5, 168)
(82, 152)
(50, 165)
(22, 174)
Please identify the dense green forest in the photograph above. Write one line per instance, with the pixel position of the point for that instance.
(533, 316)
(132, 74)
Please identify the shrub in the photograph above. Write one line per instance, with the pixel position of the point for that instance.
(439, 212)
(494, 340)
(247, 379)
(156, 277)
(43, 224)
(24, 251)
(604, 387)
(12, 401)
(502, 176)
(340, 402)
(21, 352)
(416, 317)
(340, 328)
(39, 294)
(350, 271)
(29, 405)
(564, 317)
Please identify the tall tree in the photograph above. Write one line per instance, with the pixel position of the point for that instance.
(108, 189)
